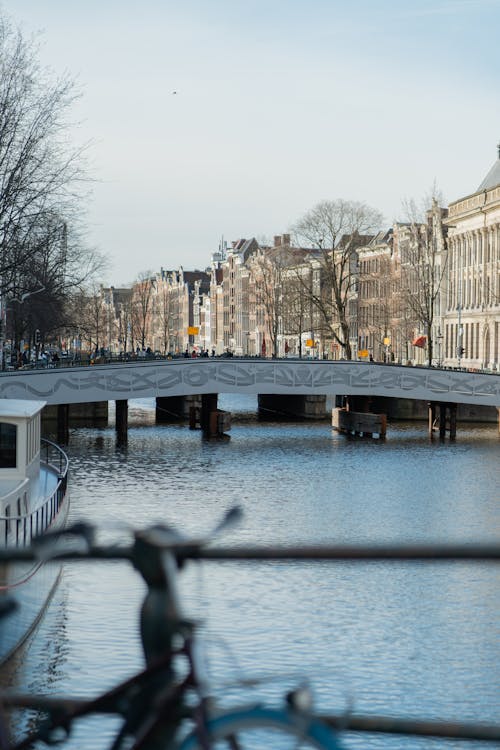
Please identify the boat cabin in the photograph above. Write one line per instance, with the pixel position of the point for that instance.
(21, 480)
(33, 499)
(19, 439)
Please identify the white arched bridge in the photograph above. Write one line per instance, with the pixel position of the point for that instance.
(183, 377)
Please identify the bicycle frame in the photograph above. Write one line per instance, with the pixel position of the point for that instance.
(153, 702)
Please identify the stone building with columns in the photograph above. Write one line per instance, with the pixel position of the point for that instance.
(471, 314)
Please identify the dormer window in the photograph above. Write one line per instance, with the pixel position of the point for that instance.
(8, 446)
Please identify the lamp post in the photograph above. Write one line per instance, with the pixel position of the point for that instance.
(439, 341)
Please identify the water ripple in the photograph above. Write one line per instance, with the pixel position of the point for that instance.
(419, 640)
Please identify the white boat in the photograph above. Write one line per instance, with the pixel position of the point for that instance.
(33, 500)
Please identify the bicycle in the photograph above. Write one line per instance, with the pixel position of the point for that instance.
(167, 708)
(155, 704)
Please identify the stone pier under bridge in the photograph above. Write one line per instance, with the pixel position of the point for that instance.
(357, 418)
(175, 408)
(296, 406)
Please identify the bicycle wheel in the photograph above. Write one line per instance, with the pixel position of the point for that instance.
(260, 728)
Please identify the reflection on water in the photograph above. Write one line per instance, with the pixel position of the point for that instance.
(416, 640)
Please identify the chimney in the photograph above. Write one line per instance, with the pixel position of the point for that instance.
(286, 239)
(277, 240)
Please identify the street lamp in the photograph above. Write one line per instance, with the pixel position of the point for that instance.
(439, 340)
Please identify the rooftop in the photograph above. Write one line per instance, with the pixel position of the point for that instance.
(492, 179)
(13, 407)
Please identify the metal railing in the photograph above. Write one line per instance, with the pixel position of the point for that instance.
(18, 530)
(87, 360)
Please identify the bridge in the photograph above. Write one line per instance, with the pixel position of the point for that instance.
(184, 377)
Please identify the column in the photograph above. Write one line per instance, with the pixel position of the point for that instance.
(121, 423)
(63, 423)
(208, 407)
(432, 417)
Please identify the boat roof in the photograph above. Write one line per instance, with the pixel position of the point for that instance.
(16, 407)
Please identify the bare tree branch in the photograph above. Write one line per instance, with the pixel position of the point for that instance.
(337, 229)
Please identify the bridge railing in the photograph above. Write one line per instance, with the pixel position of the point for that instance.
(87, 360)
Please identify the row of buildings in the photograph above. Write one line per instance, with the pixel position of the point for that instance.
(420, 291)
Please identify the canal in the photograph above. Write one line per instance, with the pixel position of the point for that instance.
(416, 640)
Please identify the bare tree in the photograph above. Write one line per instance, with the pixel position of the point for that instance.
(376, 301)
(124, 321)
(267, 268)
(142, 304)
(165, 316)
(41, 192)
(423, 266)
(39, 172)
(296, 313)
(60, 266)
(337, 229)
(91, 316)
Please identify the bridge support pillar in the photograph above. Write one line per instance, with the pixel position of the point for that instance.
(361, 404)
(443, 416)
(442, 422)
(356, 418)
(63, 423)
(359, 424)
(432, 417)
(121, 423)
(212, 421)
(453, 420)
(208, 405)
(91, 414)
(276, 406)
(170, 408)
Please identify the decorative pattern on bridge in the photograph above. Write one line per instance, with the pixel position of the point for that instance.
(196, 376)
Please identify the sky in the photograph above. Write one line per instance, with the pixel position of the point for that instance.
(279, 104)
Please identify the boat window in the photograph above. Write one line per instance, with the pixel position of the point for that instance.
(8, 441)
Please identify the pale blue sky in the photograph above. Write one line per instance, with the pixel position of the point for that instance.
(280, 104)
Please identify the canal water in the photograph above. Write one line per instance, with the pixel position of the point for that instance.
(418, 640)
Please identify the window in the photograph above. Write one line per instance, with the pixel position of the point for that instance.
(8, 444)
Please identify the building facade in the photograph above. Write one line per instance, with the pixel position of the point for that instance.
(423, 291)
(471, 313)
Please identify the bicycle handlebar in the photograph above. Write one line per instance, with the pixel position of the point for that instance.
(189, 551)
(166, 538)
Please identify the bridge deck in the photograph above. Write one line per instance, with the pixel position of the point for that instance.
(179, 377)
